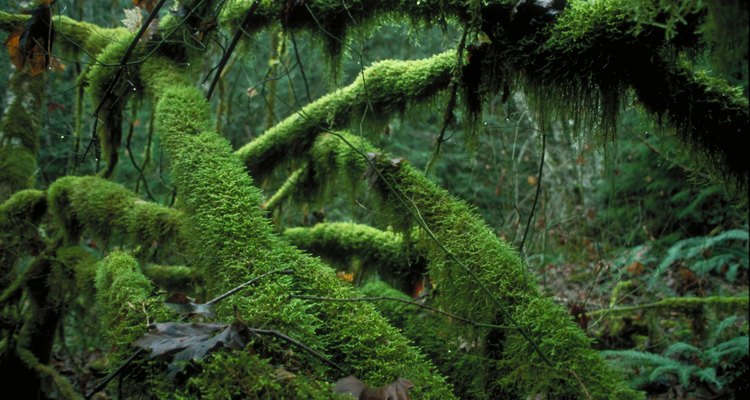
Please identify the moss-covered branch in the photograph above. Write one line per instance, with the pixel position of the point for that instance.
(105, 209)
(579, 67)
(386, 87)
(574, 369)
(19, 229)
(678, 303)
(374, 250)
(235, 242)
(124, 301)
(71, 36)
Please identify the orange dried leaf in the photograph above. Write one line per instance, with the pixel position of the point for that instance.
(14, 49)
(636, 268)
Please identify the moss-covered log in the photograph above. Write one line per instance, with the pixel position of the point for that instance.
(462, 247)
(236, 242)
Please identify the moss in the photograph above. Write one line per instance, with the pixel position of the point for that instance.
(109, 95)
(463, 236)
(387, 87)
(124, 302)
(377, 251)
(245, 375)
(234, 242)
(83, 264)
(19, 133)
(79, 36)
(175, 278)
(105, 209)
(19, 229)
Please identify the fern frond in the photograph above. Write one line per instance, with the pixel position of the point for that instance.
(720, 328)
(681, 348)
(729, 351)
(708, 375)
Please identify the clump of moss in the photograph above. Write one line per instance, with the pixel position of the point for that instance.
(375, 251)
(124, 302)
(105, 209)
(19, 229)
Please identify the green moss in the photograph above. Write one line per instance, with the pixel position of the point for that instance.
(387, 86)
(174, 278)
(19, 133)
(245, 375)
(234, 242)
(109, 95)
(19, 229)
(124, 302)
(105, 209)
(377, 251)
(463, 236)
(79, 36)
(83, 264)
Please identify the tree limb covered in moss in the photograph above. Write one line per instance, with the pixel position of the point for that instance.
(234, 242)
(20, 128)
(386, 87)
(580, 67)
(375, 250)
(19, 229)
(72, 36)
(105, 209)
(498, 266)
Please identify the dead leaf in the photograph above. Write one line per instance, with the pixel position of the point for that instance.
(147, 5)
(191, 341)
(398, 390)
(635, 268)
(32, 45)
(184, 305)
(134, 20)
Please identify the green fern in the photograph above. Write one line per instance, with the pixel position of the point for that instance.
(687, 363)
(723, 250)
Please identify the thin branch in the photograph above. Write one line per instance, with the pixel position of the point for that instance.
(300, 345)
(283, 271)
(448, 116)
(228, 53)
(301, 67)
(131, 128)
(410, 302)
(112, 375)
(536, 196)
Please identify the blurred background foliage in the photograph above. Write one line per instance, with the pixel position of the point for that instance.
(619, 226)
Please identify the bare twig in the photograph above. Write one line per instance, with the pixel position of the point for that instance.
(230, 49)
(536, 196)
(410, 302)
(283, 271)
(300, 345)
